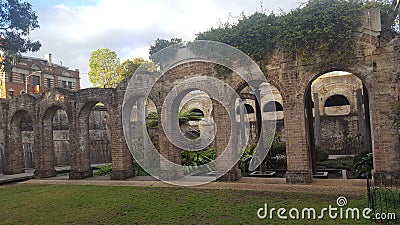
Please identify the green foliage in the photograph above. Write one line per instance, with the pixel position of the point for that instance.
(254, 35)
(103, 170)
(319, 32)
(246, 157)
(345, 162)
(152, 120)
(129, 67)
(160, 44)
(276, 158)
(198, 158)
(184, 117)
(106, 170)
(104, 65)
(139, 171)
(363, 165)
(321, 154)
(17, 20)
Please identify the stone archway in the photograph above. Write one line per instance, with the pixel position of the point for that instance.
(14, 154)
(334, 113)
(45, 162)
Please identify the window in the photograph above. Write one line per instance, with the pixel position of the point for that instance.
(69, 84)
(248, 109)
(23, 78)
(48, 82)
(273, 106)
(10, 77)
(336, 100)
(10, 94)
(35, 80)
(64, 84)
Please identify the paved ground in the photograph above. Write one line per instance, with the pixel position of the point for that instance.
(349, 187)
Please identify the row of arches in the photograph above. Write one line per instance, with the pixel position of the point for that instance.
(327, 129)
(45, 132)
(274, 106)
(299, 110)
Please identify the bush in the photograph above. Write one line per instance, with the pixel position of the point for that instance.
(363, 164)
(139, 171)
(198, 158)
(321, 154)
(344, 163)
(103, 170)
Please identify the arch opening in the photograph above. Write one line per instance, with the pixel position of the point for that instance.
(337, 119)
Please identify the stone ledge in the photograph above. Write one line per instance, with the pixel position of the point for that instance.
(299, 177)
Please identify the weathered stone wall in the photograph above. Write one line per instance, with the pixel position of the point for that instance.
(1, 149)
(334, 132)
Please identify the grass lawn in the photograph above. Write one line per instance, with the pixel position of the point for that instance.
(73, 204)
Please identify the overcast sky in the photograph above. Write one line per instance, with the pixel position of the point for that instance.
(72, 29)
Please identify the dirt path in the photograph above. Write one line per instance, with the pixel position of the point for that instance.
(331, 186)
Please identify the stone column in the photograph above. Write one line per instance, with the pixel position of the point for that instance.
(80, 146)
(44, 150)
(242, 128)
(223, 134)
(299, 168)
(260, 138)
(13, 153)
(317, 121)
(169, 168)
(121, 157)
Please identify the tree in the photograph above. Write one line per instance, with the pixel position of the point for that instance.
(160, 44)
(17, 20)
(129, 67)
(104, 65)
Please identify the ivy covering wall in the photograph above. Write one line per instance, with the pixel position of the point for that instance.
(319, 31)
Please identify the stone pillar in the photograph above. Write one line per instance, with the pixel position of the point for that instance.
(299, 168)
(169, 169)
(317, 120)
(242, 128)
(360, 112)
(121, 157)
(44, 159)
(385, 136)
(260, 138)
(223, 134)
(13, 153)
(80, 147)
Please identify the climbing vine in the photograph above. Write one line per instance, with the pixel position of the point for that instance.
(319, 32)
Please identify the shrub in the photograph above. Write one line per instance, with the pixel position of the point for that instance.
(363, 165)
(103, 170)
(339, 163)
(321, 154)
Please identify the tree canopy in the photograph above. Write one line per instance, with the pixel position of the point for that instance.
(106, 70)
(128, 67)
(104, 65)
(160, 44)
(17, 20)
